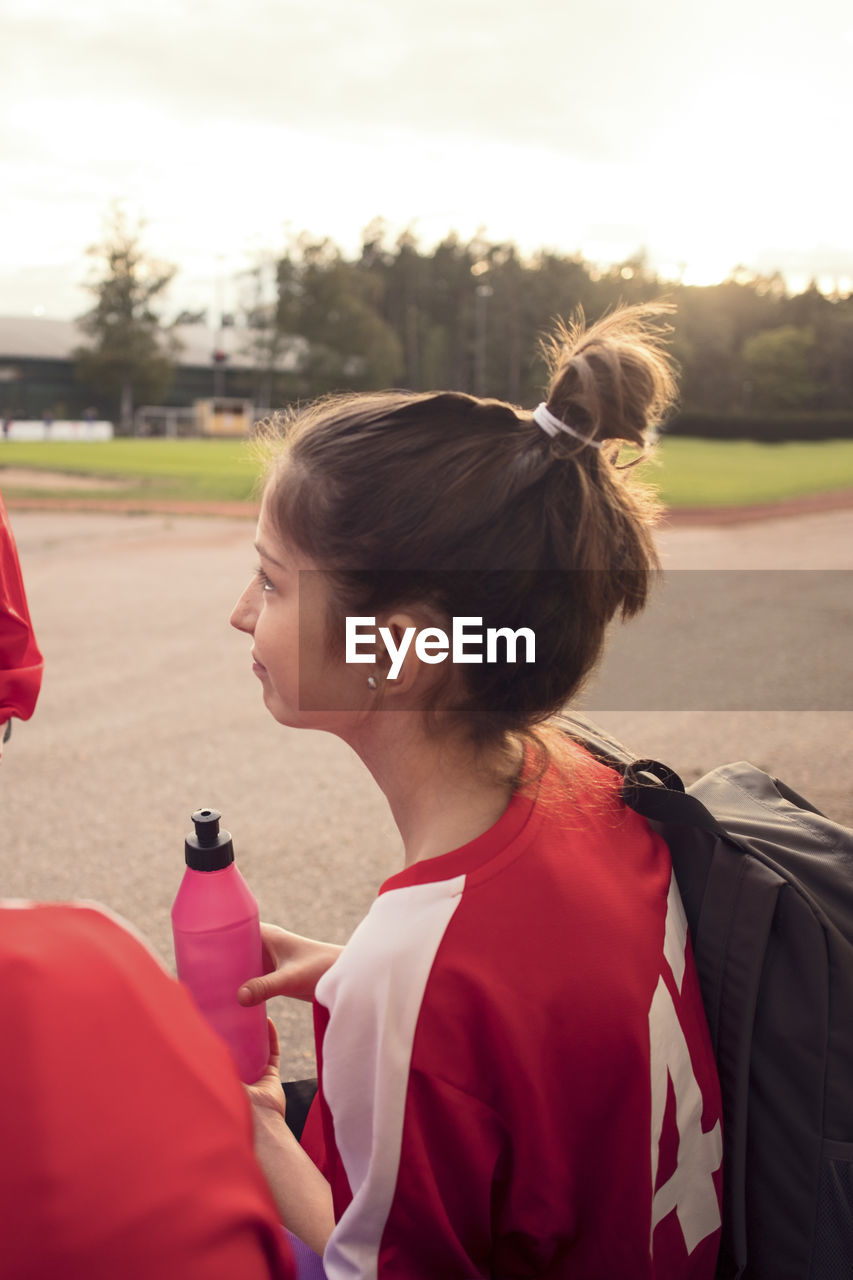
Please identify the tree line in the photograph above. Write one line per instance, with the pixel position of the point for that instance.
(469, 315)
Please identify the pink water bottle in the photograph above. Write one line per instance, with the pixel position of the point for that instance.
(218, 942)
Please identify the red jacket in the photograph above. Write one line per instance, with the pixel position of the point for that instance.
(126, 1134)
(20, 659)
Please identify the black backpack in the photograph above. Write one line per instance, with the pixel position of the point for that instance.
(767, 886)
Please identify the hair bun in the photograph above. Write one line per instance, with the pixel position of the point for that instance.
(613, 380)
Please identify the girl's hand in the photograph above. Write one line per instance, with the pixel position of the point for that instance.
(302, 1194)
(266, 1094)
(292, 966)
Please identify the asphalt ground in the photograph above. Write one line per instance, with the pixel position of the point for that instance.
(149, 710)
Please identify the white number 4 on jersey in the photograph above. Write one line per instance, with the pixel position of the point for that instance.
(690, 1189)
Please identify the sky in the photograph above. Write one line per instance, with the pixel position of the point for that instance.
(706, 135)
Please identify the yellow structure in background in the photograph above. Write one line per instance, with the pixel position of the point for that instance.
(224, 416)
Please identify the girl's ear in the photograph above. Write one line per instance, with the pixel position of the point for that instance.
(395, 653)
(404, 673)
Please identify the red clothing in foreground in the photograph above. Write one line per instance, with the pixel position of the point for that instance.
(516, 1073)
(20, 659)
(126, 1135)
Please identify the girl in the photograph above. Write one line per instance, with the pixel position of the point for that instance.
(515, 1071)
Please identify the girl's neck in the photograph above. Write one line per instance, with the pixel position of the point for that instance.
(442, 793)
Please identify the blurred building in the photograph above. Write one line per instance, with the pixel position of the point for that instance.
(37, 374)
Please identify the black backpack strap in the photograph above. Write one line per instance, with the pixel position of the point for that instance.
(733, 933)
(665, 799)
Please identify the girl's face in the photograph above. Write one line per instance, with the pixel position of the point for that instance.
(284, 610)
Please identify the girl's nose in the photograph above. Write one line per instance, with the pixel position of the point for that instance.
(243, 614)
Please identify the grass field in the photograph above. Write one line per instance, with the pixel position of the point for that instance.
(689, 473)
(708, 473)
(179, 470)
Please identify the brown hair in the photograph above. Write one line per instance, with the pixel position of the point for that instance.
(468, 506)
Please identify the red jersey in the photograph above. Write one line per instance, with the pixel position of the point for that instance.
(127, 1137)
(516, 1076)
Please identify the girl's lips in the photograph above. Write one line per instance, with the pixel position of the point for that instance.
(258, 668)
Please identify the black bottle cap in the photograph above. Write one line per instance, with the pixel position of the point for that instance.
(208, 849)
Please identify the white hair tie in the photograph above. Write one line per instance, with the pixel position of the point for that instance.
(551, 425)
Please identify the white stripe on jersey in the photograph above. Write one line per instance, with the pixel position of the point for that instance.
(374, 993)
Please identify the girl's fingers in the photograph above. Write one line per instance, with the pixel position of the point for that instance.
(275, 1052)
(255, 991)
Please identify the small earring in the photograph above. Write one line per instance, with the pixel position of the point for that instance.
(371, 682)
